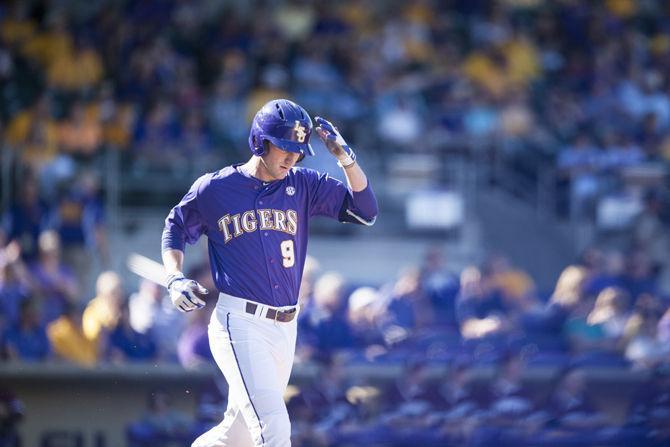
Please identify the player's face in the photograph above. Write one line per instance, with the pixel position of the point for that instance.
(276, 162)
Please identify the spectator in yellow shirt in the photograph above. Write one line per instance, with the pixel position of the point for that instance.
(80, 133)
(68, 341)
(79, 69)
(34, 131)
(17, 27)
(48, 46)
(102, 313)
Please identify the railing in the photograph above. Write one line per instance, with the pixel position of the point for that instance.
(7, 159)
(14, 372)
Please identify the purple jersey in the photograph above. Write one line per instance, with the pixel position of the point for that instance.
(257, 231)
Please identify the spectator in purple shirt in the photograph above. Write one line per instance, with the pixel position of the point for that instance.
(27, 340)
(13, 290)
(54, 281)
(80, 223)
(26, 218)
(128, 345)
(193, 344)
(364, 313)
(328, 323)
(11, 415)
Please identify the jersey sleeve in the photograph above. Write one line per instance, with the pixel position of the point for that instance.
(184, 223)
(332, 198)
(360, 207)
(327, 194)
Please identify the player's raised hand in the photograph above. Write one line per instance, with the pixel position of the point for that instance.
(333, 140)
(183, 293)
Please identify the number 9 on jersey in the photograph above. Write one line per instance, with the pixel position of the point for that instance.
(287, 253)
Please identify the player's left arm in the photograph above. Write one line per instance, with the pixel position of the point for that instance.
(361, 205)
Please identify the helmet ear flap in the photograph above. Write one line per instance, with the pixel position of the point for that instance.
(260, 147)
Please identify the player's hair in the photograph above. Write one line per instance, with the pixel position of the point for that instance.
(107, 281)
(610, 302)
(569, 287)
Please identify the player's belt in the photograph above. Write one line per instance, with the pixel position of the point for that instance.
(273, 314)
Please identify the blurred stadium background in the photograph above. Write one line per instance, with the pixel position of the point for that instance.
(514, 291)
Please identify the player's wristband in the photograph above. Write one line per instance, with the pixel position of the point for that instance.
(347, 160)
(174, 277)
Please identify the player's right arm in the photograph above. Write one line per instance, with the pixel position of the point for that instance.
(183, 224)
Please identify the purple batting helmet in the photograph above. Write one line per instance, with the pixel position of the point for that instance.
(283, 123)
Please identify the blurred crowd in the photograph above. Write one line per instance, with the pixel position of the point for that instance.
(606, 312)
(580, 87)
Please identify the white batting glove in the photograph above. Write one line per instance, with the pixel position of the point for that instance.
(334, 142)
(183, 292)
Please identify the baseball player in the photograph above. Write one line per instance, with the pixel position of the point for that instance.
(256, 218)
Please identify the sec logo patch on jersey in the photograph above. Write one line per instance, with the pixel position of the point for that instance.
(290, 190)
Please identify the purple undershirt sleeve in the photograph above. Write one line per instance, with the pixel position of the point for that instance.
(360, 207)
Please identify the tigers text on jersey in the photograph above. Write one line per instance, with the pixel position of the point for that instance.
(257, 231)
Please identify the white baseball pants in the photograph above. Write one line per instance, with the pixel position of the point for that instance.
(255, 355)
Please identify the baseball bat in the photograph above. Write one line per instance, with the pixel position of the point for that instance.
(147, 268)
